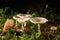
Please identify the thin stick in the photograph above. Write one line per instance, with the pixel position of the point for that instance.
(38, 28)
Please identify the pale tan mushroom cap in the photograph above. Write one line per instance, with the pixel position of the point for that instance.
(53, 28)
(24, 16)
(20, 20)
(16, 17)
(9, 23)
(38, 20)
(20, 30)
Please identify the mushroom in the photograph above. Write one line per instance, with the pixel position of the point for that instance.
(21, 20)
(9, 23)
(53, 28)
(25, 17)
(18, 19)
(38, 20)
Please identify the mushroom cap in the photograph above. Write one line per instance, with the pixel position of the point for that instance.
(20, 20)
(9, 23)
(20, 30)
(36, 20)
(24, 16)
(16, 17)
(53, 28)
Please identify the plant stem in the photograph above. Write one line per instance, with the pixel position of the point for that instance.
(16, 24)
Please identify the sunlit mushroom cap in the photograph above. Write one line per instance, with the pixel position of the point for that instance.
(19, 19)
(9, 23)
(24, 16)
(16, 17)
(53, 28)
(38, 20)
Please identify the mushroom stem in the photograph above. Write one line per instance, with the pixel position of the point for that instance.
(22, 26)
(38, 28)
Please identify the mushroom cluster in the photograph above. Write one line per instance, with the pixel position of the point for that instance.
(22, 18)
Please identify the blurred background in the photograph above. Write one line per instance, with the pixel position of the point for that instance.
(24, 5)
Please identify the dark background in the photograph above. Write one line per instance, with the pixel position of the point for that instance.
(23, 5)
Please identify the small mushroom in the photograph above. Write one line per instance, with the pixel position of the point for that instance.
(38, 20)
(53, 28)
(9, 23)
